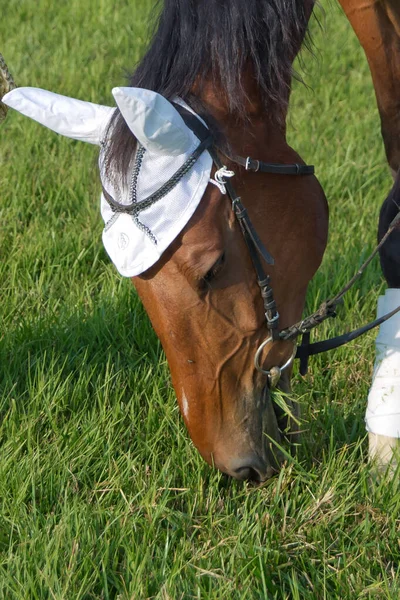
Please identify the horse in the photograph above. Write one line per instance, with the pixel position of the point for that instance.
(202, 296)
(203, 293)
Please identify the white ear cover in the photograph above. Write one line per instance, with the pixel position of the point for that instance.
(134, 244)
(72, 118)
(153, 120)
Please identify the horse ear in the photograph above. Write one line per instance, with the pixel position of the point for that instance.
(73, 118)
(153, 121)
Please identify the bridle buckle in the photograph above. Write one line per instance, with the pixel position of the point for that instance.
(273, 319)
(252, 164)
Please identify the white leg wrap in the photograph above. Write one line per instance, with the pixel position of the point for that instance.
(383, 411)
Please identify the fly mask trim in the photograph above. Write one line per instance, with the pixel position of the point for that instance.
(135, 207)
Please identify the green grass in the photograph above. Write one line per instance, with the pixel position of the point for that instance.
(102, 494)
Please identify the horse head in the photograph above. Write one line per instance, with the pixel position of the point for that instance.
(203, 294)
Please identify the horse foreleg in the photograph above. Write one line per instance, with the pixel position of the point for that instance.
(377, 26)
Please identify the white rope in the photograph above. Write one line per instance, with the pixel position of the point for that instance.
(220, 178)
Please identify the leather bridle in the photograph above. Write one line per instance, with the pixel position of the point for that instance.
(260, 255)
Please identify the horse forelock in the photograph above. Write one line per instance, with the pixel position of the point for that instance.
(194, 41)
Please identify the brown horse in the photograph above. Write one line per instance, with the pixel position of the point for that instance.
(210, 333)
(202, 296)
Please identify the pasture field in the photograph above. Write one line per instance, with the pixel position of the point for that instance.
(102, 494)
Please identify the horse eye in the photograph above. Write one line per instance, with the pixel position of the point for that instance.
(215, 269)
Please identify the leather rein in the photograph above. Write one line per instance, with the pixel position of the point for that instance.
(260, 255)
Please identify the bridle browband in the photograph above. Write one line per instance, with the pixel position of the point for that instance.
(259, 254)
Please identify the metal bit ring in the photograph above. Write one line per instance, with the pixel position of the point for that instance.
(258, 356)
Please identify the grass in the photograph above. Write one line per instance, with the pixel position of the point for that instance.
(102, 494)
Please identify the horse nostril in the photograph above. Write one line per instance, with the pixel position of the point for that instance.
(247, 474)
(252, 470)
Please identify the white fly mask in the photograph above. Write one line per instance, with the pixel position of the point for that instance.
(134, 242)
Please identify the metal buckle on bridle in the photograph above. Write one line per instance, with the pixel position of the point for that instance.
(273, 319)
(274, 373)
(252, 164)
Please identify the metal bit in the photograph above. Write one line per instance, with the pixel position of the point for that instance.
(274, 376)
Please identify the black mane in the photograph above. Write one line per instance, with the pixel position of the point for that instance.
(197, 39)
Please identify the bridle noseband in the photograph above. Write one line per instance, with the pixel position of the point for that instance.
(259, 254)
